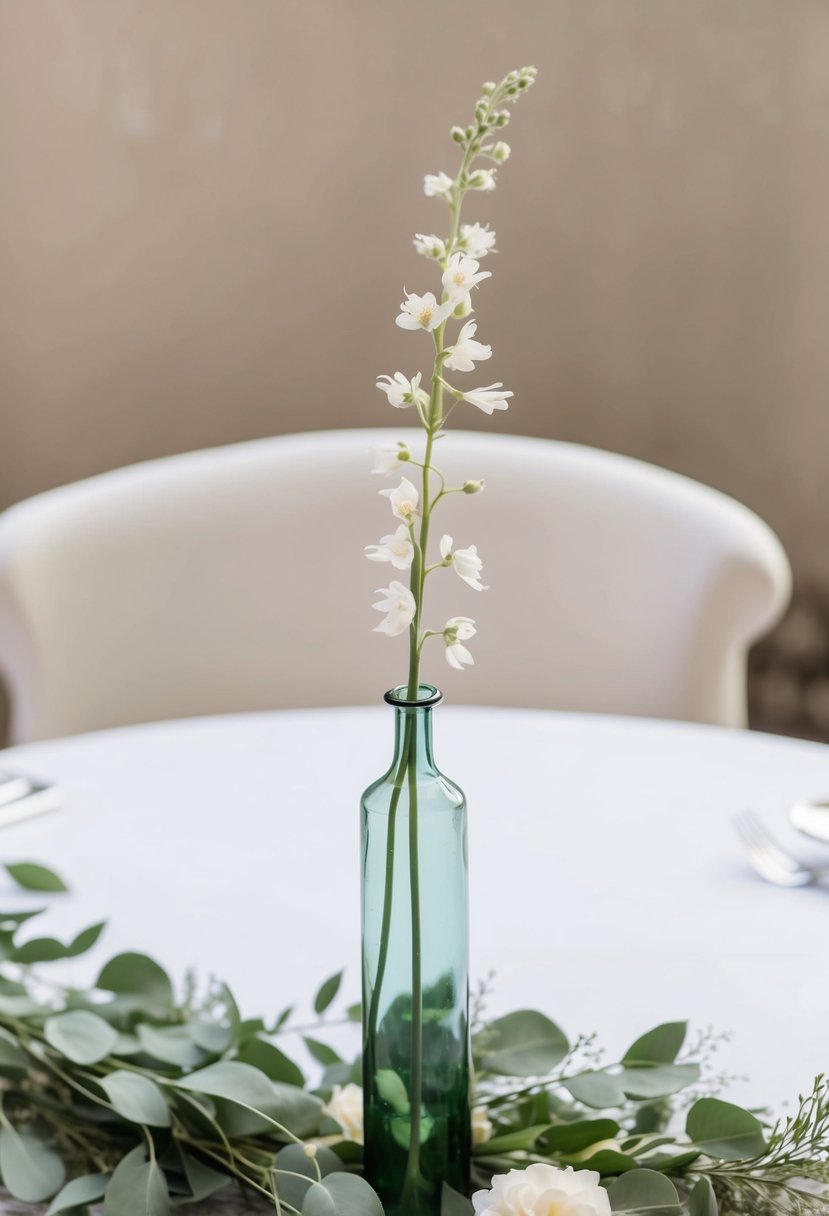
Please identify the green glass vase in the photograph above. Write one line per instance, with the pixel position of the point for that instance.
(415, 972)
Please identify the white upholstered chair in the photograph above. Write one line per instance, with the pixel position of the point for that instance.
(234, 579)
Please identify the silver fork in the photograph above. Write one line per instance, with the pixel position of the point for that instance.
(769, 860)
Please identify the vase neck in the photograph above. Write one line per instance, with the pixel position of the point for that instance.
(413, 728)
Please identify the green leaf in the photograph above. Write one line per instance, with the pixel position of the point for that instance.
(658, 1080)
(702, 1202)
(78, 1192)
(202, 1180)
(512, 1141)
(522, 1044)
(659, 1046)
(137, 1188)
(271, 1061)
(354, 1013)
(341, 1195)
(171, 1045)
(322, 1053)
(453, 1204)
(12, 1056)
(724, 1131)
(392, 1090)
(327, 992)
(34, 877)
(607, 1162)
(49, 949)
(212, 1037)
(136, 1098)
(137, 975)
(81, 1036)
(645, 1192)
(292, 1160)
(565, 1139)
(600, 1090)
(249, 1088)
(30, 1170)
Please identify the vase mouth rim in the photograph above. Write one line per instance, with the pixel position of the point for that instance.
(398, 697)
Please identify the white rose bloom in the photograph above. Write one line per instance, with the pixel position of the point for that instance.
(481, 1127)
(396, 548)
(543, 1190)
(458, 629)
(402, 392)
(478, 241)
(460, 276)
(466, 350)
(346, 1108)
(465, 561)
(399, 606)
(422, 312)
(403, 499)
(438, 185)
(491, 397)
(430, 246)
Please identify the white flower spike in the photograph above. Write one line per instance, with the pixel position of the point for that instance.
(422, 312)
(543, 1189)
(396, 548)
(430, 246)
(477, 241)
(465, 562)
(399, 606)
(466, 351)
(492, 397)
(402, 392)
(438, 185)
(460, 276)
(458, 629)
(404, 500)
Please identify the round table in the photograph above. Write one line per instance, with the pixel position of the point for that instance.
(607, 885)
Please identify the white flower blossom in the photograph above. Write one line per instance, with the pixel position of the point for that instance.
(402, 392)
(482, 179)
(438, 185)
(388, 460)
(399, 606)
(478, 241)
(430, 246)
(465, 562)
(467, 351)
(423, 312)
(500, 152)
(460, 276)
(543, 1190)
(458, 629)
(482, 1129)
(345, 1107)
(396, 548)
(491, 397)
(404, 500)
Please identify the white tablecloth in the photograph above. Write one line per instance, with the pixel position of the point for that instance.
(607, 885)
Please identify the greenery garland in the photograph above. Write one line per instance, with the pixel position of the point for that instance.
(126, 1094)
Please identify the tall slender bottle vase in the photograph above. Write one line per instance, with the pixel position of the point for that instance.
(415, 972)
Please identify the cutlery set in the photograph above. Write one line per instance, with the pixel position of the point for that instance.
(24, 797)
(775, 863)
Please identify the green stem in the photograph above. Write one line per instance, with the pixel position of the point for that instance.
(413, 1174)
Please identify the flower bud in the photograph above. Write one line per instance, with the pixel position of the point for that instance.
(457, 134)
(404, 453)
(310, 1151)
(463, 309)
(500, 152)
(488, 87)
(473, 487)
(502, 119)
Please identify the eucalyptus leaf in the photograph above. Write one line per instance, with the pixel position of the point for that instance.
(136, 1098)
(702, 1200)
(599, 1090)
(522, 1044)
(645, 1193)
(81, 1036)
(49, 949)
(659, 1046)
(249, 1088)
(32, 876)
(293, 1160)
(211, 1037)
(722, 1130)
(658, 1080)
(201, 1179)
(392, 1090)
(341, 1195)
(453, 1204)
(12, 1057)
(78, 1193)
(322, 1053)
(569, 1138)
(268, 1058)
(327, 992)
(137, 1187)
(519, 1138)
(354, 1013)
(171, 1045)
(137, 975)
(607, 1162)
(31, 1171)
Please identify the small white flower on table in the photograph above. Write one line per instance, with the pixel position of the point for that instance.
(543, 1190)
(346, 1108)
(460, 276)
(458, 629)
(404, 500)
(396, 548)
(422, 312)
(467, 351)
(465, 561)
(399, 606)
(491, 397)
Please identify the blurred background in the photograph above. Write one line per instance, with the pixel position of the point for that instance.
(206, 222)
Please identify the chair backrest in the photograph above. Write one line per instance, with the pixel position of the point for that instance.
(234, 579)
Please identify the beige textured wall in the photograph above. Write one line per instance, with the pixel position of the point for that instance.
(206, 210)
